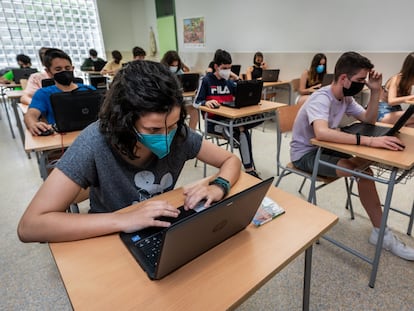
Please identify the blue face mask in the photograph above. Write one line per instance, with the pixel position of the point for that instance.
(159, 144)
(320, 68)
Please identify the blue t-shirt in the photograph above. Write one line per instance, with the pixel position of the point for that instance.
(41, 100)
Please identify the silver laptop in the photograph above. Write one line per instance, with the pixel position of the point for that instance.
(159, 251)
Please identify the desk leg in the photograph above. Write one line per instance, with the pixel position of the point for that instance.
(312, 191)
(19, 123)
(307, 278)
(378, 248)
(205, 137)
(231, 130)
(8, 116)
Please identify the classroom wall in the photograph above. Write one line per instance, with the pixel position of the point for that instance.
(288, 32)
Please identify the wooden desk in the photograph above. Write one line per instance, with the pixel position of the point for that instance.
(398, 163)
(266, 111)
(286, 85)
(100, 273)
(42, 145)
(3, 88)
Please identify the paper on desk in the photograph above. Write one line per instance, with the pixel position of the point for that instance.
(267, 211)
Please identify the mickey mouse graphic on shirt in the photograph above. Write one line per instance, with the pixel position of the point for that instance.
(147, 188)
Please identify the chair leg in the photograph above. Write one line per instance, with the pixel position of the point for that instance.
(410, 224)
(301, 185)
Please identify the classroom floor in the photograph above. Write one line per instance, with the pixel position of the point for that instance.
(30, 280)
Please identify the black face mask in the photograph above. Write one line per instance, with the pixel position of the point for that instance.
(354, 89)
(64, 77)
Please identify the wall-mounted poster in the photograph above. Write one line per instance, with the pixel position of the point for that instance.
(194, 35)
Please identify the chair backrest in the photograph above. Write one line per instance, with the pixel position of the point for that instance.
(286, 117)
(295, 84)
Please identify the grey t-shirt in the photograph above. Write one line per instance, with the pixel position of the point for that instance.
(321, 105)
(114, 184)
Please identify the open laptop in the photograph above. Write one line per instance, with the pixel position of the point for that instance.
(22, 73)
(270, 75)
(75, 110)
(194, 232)
(248, 93)
(235, 69)
(189, 81)
(376, 130)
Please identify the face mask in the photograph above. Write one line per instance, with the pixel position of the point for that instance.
(159, 144)
(224, 73)
(64, 77)
(173, 69)
(354, 89)
(320, 68)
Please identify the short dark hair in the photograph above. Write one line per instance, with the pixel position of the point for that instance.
(222, 57)
(93, 53)
(137, 89)
(51, 54)
(138, 51)
(42, 52)
(24, 59)
(350, 63)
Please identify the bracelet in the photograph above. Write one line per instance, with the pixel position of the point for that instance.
(358, 139)
(224, 184)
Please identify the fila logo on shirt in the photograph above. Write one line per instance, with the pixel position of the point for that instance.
(219, 90)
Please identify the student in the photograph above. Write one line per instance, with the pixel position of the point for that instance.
(23, 61)
(397, 90)
(135, 151)
(216, 88)
(212, 69)
(93, 62)
(138, 53)
(35, 80)
(172, 60)
(311, 79)
(319, 118)
(112, 67)
(59, 66)
(255, 72)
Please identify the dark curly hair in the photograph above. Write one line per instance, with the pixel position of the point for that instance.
(139, 88)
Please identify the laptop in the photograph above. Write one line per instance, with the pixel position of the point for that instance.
(75, 110)
(248, 93)
(194, 232)
(235, 69)
(270, 75)
(327, 79)
(99, 82)
(366, 129)
(22, 73)
(189, 81)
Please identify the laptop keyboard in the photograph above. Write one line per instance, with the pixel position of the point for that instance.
(151, 247)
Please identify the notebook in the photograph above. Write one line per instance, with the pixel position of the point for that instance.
(75, 110)
(189, 81)
(248, 93)
(366, 129)
(22, 73)
(235, 69)
(194, 233)
(270, 75)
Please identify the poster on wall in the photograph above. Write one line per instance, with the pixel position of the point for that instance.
(194, 35)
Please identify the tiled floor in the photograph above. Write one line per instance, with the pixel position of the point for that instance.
(30, 280)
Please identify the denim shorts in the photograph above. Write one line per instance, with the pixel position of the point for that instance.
(307, 161)
(384, 108)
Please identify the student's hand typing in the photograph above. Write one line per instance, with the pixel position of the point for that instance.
(201, 191)
(386, 142)
(145, 216)
(374, 81)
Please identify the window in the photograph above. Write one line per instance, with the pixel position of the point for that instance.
(27, 25)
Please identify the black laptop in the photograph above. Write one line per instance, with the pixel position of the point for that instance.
(270, 75)
(75, 110)
(367, 129)
(235, 69)
(189, 81)
(22, 73)
(248, 93)
(160, 251)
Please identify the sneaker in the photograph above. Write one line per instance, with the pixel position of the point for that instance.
(393, 244)
(226, 135)
(254, 174)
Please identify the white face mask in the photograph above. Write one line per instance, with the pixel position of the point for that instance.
(173, 69)
(224, 73)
